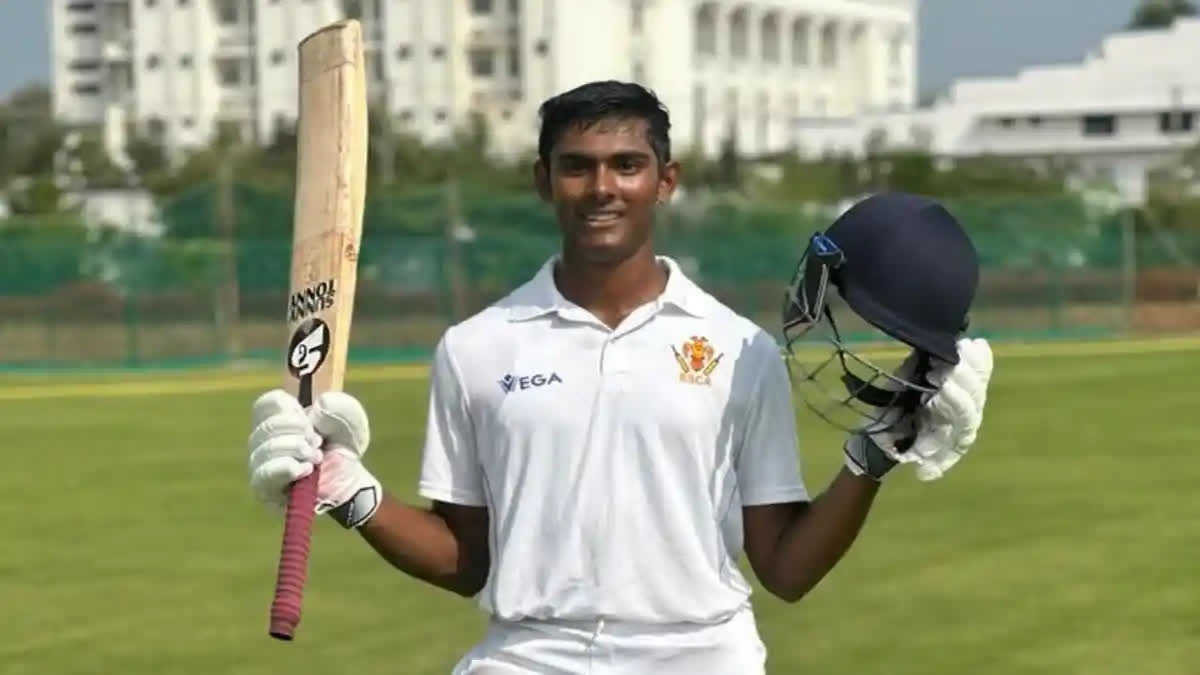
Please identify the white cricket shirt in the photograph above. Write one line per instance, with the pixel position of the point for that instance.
(614, 463)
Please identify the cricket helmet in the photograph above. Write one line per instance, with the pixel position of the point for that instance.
(902, 264)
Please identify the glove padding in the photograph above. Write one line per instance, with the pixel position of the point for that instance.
(286, 442)
(945, 426)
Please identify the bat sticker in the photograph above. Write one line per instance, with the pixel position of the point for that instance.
(316, 298)
(306, 353)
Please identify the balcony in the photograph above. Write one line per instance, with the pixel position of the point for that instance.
(117, 48)
(235, 40)
(236, 105)
(492, 30)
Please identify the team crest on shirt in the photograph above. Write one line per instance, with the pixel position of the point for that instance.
(697, 360)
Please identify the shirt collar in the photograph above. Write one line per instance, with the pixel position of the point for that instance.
(540, 296)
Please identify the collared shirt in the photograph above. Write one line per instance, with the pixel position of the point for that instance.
(613, 462)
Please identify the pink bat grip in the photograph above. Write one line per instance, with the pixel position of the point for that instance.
(293, 559)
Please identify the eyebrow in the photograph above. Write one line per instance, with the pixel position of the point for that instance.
(619, 154)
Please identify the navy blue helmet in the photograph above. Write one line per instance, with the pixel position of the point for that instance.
(902, 264)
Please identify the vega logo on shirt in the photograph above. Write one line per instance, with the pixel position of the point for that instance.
(510, 383)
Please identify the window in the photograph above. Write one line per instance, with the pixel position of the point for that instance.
(800, 46)
(152, 61)
(1176, 122)
(227, 12)
(897, 49)
(185, 61)
(829, 46)
(483, 61)
(277, 57)
(156, 128)
(86, 89)
(636, 18)
(81, 6)
(120, 79)
(514, 61)
(438, 52)
(706, 31)
(481, 6)
(229, 73)
(1099, 125)
(375, 66)
(770, 39)
(84, 29)
(739, 35)
(403, 52)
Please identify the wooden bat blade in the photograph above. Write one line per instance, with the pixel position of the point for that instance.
(327, 233)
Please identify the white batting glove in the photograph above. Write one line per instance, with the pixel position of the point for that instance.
(945, 426)
(286, 442)
(948, 424)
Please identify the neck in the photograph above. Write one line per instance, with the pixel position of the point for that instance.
(611, 291)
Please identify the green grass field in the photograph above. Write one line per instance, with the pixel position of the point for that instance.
(1064, 544)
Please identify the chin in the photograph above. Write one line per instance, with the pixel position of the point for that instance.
(603, 252)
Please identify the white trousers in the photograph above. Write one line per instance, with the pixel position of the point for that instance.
(600, 648)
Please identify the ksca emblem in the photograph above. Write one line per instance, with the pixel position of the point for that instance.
(696, 360)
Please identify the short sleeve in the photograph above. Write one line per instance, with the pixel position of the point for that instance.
(768, 464)
(450, 470)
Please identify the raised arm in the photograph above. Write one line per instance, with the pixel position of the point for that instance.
(790, 540)
(445, 544)
(793, 544)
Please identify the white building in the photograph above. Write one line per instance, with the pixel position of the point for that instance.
(1129, 106)
(183, 69)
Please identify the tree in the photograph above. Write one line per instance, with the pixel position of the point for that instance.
(148, 154)
(29, 137)
(1173, 192)
(1152, 14)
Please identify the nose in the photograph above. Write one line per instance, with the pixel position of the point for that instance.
(604, 186)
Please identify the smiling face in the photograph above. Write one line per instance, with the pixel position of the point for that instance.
(605, 180)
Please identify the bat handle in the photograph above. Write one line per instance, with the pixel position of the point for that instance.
(293, 559)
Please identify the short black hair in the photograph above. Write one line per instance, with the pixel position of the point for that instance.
(606, 99)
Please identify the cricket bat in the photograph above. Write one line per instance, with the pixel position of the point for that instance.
(327, 232)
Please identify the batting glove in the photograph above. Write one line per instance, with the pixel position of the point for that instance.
(949, 422)
(945, 426)
(286, 442)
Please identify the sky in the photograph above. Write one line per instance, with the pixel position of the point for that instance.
(958, 38)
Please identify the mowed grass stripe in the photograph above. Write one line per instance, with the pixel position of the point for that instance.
(141, 384)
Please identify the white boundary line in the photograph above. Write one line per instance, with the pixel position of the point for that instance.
(188, 383)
